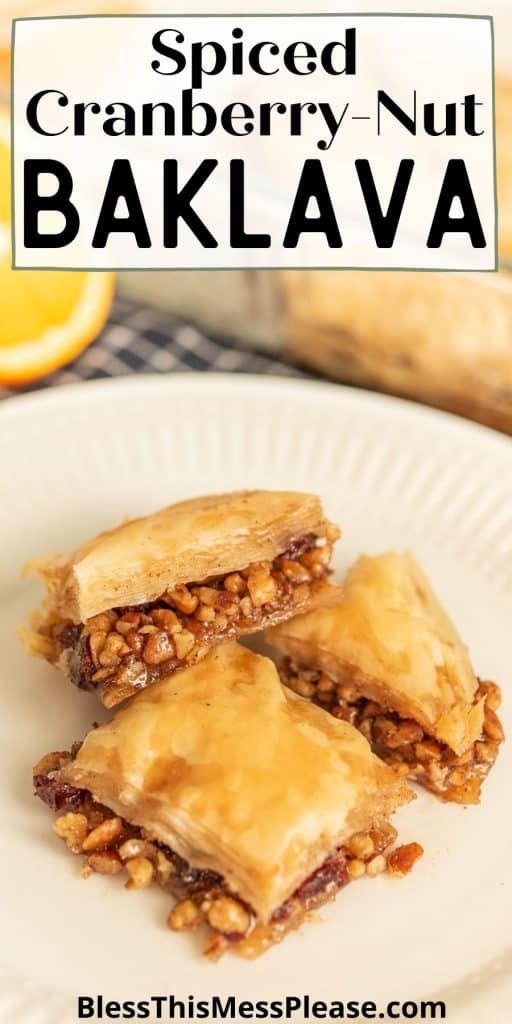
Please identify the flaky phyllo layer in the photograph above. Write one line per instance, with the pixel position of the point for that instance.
(385, 657)
(259, 801)
(401, 742)
(165, 589)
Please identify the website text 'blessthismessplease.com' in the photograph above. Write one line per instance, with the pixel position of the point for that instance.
(299, 1008)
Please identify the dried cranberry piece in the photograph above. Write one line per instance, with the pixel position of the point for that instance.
(299, 546)
(332, 874)
(69, 635)
(59, 796)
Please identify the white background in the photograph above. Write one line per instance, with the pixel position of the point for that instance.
(443, 59)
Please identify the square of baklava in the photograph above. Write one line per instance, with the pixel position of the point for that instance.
(248, 804)
(384, 655)
(156, 594)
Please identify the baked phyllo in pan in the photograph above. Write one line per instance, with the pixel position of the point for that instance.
(385, 657)
(155, 594)
(248, 804)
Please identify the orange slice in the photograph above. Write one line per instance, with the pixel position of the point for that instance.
(47, 317)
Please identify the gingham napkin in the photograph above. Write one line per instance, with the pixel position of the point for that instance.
(139, 339)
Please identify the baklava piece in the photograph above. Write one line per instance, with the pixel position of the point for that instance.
(385, 657)
(154, 595)
(249, 805)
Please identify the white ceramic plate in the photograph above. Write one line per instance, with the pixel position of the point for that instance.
(77, 460)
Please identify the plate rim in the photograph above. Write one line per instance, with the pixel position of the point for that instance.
(28, 406)
(24, 404)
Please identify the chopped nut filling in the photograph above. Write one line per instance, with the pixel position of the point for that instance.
(110, 845)
(124, 650)
(402, 743)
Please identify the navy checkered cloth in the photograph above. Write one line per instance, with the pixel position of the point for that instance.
(139, 339)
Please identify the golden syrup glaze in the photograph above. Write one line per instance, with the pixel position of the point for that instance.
(390, 638)
(237, 774)
(207, 536)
